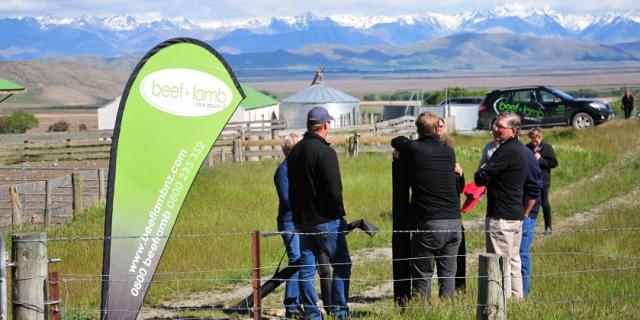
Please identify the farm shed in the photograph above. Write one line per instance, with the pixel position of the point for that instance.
(107, 115)
(466, 115)
(255, 107)
(339, 104)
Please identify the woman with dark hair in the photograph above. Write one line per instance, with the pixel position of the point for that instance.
(547, 160)
(627, 104)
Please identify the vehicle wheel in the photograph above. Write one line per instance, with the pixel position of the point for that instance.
(582, 120)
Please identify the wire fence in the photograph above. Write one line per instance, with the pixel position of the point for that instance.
(181, 282)
(463, 308)
(276, 233)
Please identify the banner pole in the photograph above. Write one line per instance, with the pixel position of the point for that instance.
(257, 299)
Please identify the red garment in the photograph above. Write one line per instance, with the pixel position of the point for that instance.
(473, 193)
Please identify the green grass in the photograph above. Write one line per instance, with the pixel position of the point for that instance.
(235, 199)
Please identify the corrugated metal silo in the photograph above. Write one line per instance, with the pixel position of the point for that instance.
(339, 104)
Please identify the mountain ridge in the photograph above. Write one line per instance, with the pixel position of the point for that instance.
(26, 38)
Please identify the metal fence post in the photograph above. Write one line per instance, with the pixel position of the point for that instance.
(29, 253)
(54, 297)
(257, 299)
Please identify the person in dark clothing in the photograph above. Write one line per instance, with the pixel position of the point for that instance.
(547, 160)
(532, 192)
(504, 174)
(292, 303)
(461, 263)
(627, 104)
(315, 193)
(434, 206)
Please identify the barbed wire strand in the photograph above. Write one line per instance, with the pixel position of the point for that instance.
(363, 261)
(248, 279)
(357, 306)
(272, 233)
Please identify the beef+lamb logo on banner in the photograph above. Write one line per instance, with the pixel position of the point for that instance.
(185, 92)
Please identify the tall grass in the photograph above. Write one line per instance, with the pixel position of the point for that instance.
(226, 203)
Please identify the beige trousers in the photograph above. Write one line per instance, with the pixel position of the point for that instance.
(503, 237)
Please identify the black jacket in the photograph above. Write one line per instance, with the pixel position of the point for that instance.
(504, 175)
(627, 103)
(435, 187)
(547, 160)
(315, 188)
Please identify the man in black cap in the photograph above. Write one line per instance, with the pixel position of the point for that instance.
(315, 194)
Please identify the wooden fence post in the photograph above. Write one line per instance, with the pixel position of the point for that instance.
(356, 144)
(48, 203)
(263, 147)
(354, 116)
(16, 207)
(209, 159)
(102, 184)
(221, 156)
(29, 253)
(3, 279)
(257, 295)
(236, 151)
(492, 291)
(76, 183)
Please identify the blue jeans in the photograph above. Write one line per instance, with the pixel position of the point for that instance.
(528, 231)
(331, 239)
(292, 302)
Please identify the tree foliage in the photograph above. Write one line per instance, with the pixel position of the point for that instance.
(436, 96)
(18, 122)
(369, 97)
(60, 126)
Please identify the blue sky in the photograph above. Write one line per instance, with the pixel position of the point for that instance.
(202, 10)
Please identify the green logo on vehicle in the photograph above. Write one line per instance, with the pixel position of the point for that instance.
(525, 111)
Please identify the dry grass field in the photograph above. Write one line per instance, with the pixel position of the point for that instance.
(75, 119)
(359, 86)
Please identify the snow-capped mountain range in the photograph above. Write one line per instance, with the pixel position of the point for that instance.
(49, 36)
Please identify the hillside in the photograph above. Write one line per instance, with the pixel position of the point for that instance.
(66, 82)
(467, 50)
